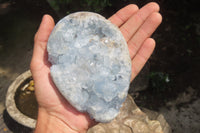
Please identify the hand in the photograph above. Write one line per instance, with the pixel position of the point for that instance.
(55, 113)
(137, 27)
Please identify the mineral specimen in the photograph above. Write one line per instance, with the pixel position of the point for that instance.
(91, 65)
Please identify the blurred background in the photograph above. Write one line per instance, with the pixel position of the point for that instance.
(169, 82)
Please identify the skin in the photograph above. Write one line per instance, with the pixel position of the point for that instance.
(55, 114)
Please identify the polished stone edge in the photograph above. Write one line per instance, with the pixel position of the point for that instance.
(10, 102)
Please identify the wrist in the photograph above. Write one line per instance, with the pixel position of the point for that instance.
(47, 123)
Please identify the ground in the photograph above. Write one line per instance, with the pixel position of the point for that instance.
(175, 64)
(173, 87)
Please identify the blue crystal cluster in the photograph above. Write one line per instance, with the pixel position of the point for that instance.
(91, 65)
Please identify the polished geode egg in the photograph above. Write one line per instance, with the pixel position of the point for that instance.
(91, 65)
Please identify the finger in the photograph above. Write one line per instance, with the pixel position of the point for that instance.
(123, 15)
(134, 23)
(45, 29)
(40, 42)
(145, 31)
(142, 56)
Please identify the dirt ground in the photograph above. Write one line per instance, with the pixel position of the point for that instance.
(176, 57)
(174, 87)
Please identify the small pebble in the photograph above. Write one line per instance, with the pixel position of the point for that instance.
(31, 88)
(31, 83)
(28, 92)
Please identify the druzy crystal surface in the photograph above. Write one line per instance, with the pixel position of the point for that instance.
(91, 65)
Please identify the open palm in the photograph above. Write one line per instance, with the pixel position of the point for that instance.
(136, 25)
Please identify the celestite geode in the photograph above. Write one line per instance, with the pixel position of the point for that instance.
(91, 65)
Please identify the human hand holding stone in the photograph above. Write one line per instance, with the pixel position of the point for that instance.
(55, 113)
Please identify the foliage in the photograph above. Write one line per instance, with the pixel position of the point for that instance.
(97, 5)
(57, 3)
(159, 81)
(90, 5)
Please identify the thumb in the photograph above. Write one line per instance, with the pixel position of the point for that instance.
(40, 56)
(45, 29)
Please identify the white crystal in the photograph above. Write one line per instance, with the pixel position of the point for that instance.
(91, 65)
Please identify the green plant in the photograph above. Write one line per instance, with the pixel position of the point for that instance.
(71, 5)
(97, 5)
(159, 81)
(56, 4)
